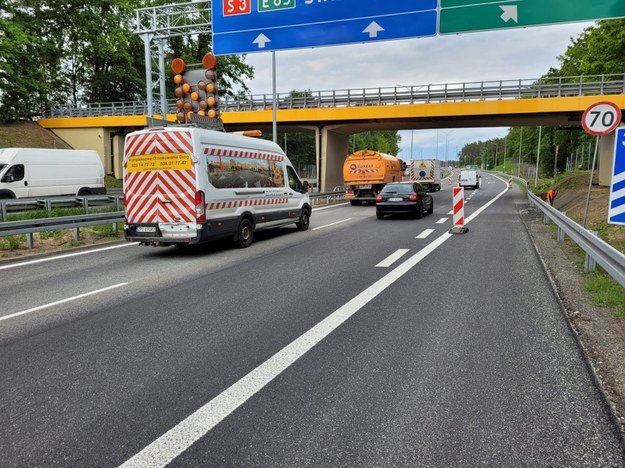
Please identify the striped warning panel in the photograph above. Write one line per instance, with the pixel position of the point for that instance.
(363, 171)
(458, 206)
(616, 213)
(162, 195)
(158, 143)
(222, 205)
(230, 153)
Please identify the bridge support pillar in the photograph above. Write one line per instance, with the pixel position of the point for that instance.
(334, 150)
(606, 158)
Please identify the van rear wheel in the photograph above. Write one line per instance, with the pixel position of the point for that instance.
(304, 220)
(245, 233)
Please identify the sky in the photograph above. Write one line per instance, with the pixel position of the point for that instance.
(480, 56)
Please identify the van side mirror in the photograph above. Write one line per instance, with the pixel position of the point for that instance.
(305, 186)
(8, 178)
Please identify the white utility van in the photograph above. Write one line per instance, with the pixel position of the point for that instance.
(41, 172)
(469, 178)
(187, 185)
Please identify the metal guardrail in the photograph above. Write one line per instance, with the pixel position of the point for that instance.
(31, 226)
(25, 204)
(397, 95)
(597, 250)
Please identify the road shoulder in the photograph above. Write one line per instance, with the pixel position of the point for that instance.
(601, 335)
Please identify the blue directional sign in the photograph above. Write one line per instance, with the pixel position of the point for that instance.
(243, 26)
(616, 213)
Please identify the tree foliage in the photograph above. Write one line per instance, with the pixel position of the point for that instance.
(599, 50)
(385, 141)
(72, 51)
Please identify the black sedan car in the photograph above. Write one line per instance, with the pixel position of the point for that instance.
(404, 197)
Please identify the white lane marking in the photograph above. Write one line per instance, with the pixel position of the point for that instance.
(62, 301)
(425, 233)
(331, 224)
(180, 437)
(442, 221)
(451, 212)
(329, 206)
(388, 261)
(59, 257)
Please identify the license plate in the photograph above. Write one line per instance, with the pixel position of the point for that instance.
(395, 199)
(146, 229)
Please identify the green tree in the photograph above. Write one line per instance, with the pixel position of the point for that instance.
(385, 141)
(22, 76)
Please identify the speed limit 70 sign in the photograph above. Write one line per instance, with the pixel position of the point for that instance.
(601, 118)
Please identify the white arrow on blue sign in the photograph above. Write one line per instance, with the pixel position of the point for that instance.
(262, 25)
(616, 212)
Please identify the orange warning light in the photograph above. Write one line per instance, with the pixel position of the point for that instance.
(178, 66)
(209, 61)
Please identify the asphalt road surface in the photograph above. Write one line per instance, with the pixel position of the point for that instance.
(359, 343)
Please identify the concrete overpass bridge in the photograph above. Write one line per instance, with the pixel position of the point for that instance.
(336, 114)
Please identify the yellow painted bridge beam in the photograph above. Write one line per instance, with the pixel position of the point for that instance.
(460, 111)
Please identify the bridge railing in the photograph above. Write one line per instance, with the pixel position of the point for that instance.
(397, 95)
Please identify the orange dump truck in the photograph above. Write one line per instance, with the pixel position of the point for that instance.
(365, 172)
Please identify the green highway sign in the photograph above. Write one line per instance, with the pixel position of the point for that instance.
(269, 5)
(458, 16)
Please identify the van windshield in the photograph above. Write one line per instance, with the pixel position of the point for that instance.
(2, 166)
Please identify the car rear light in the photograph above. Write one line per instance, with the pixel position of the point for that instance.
(413, 197)
(200, 207)
(378, 198)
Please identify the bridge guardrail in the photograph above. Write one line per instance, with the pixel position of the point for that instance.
(596, 250)
(397, 95)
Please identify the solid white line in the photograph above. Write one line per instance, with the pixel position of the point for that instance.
(329, 206)
(425, 234)
(442, 221)
(388, 261)
(179, 438)
(331, 224)
(58, 257)
(62, 301)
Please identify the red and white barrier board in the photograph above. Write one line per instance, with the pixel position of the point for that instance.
(458, 210)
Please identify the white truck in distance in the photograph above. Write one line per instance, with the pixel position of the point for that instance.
(427, 172)
(42, 172)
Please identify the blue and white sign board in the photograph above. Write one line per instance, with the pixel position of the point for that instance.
(243, 26)
(616, 212)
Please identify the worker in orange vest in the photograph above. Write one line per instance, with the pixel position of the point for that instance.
(551, 196)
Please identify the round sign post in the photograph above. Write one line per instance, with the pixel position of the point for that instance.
(599, 119)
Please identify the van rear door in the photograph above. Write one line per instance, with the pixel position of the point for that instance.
(160, 177)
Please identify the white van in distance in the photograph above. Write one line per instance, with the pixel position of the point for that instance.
(469, 178)
(41, 172)
(188, 185)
